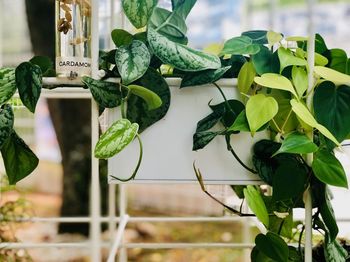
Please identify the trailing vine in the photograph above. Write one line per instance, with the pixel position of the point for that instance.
(272, 75)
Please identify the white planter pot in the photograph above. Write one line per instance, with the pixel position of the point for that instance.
(168, 155)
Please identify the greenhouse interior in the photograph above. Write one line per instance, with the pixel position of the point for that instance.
(174, 130)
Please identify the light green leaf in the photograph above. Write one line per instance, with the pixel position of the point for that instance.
(256, 204)
(287, 58)
(320, 60)
(132, 61)
(297, 38)
(297, 143)
(152, 99)
(328, 169)
(6, 123)
(275, 81)
(239, 46)
(273, 37)
(246, 77)
(260, 109)
(7, 84)
(181, 56)
(273, 246)
(304, 114)
(121, 37)
(116, 138)
(300, 80)
(332, 75)
(139, 11)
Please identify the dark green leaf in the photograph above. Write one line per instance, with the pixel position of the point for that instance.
(265, 61)
(139, 11)
(339, 61)
(137, 110)
(152, 100)
(7, 84)
(132, 61)
(272, 246)
(258, 256)
(209, 121)
(6, 123)
(29, 83)
(320, 45)
(201, 139)
(120, 134)
(181, 56)
(332, 108)
(257, 36)
(238, 189)
(106, 94)
(294, 254)
(333, 251)
(19, 160)
(203, 77)
(121, 37)
(239, 46)
(297, 143)
(256, 204)
(328, 169)
(230, 111)
(44, 62)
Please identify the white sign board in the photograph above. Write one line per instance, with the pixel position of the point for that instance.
(168, 155)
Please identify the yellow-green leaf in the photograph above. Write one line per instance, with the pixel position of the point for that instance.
(246, 77)
(300, 80)
(276, 81)
(332, 75)
(152, 99)
(273, 37)
(287, 58)
(297, 38)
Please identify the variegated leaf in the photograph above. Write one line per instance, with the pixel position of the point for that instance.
(139, 11)
(6, 123)
(7, 84)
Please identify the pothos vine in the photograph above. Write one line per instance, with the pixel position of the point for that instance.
(272, 73)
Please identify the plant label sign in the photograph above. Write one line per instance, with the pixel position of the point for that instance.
(167, 145)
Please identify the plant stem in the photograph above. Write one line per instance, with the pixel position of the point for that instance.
(287, 119)
(278, 128)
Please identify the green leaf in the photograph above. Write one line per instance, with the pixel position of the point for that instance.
(257, 36)
(106, 94)
(132, 61)
(169, 24)
(304, 114)
(287, 58)
(209, 121)
(239, 46)
(120, 134)
(18, 159)
(7, 84)
(121, 37)
(29, 83)
(203, 77)
(152, 99)
(300, 80)
(229, 110)
(273, 37)
(260, 109)
(45, 63)
(332, 75)
(6, 123)
(139, 11)
(181, 56)
(265, 61)
(256, 204)
(339, 61)
(275, 81)
(297, 143)
(287, 174)
(241, 124)
(332, 108)
(258, 256)
(201, 139)
(327, 213)
(328, 169)
(285, 117)
(246, 77)
(273, 246)
(319, 59)
(333, 251)
(137, 109)
(183, 7)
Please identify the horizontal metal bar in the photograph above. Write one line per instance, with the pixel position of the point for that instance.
(132, 219)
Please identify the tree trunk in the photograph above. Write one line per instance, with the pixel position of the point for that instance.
(71, 120)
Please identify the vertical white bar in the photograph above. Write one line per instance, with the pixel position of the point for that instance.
(311, 61)
(95, 226)
(123, 255)
(246, 237)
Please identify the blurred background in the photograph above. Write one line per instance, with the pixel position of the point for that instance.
(60, 186)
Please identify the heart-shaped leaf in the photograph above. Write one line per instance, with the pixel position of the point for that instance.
(304, 114)
(120, 134)
(139, 11)
(275, 81)
(300, 80)
(121, 37)
(339, 61)
(181, 56)
(287, 58)
(132, 61)
(328, 169)
(241, 124)
(19, 160)
(332, 75)
(273, 246)
(246, 77)
(152, 99)
(273, 37)
(29, 83)
(7, 84)
(241, 45)
(6, 123)
(256, 204)
(297, 143)
(260, 109)
(203, 77)
(332, 108)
